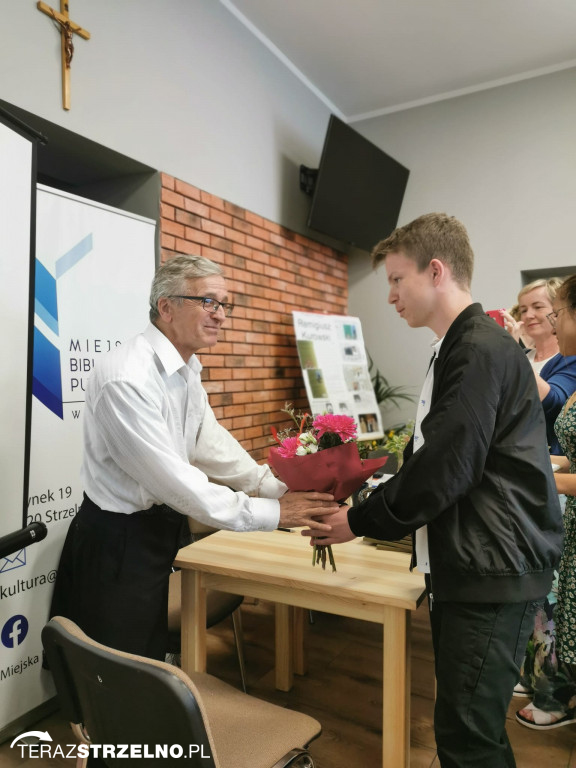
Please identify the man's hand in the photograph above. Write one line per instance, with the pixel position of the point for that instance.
(340, 529)
(299, 508)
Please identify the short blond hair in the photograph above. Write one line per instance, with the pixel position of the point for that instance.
(432, 236)
(551, 284)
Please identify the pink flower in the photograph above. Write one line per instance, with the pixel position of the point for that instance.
(288, 447)
(343, 426)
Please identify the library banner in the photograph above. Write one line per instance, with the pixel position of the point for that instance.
(94, 266)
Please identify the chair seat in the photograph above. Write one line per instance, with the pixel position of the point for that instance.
(219, 605)
(248, 732)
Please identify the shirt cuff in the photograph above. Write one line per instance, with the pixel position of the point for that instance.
(271, 488)
(265, 514)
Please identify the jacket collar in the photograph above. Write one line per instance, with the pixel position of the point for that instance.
(455, 330)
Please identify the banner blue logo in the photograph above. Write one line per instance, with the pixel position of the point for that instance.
(15, 560)
(46, 367)
(14, 631)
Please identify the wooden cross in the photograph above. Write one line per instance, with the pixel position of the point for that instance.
(67, 30)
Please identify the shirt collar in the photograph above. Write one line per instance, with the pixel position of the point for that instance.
(168, 355)
(436, 343)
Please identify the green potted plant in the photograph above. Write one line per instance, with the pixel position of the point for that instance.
(384, 391)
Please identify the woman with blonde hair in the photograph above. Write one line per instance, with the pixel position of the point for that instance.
(555, 374)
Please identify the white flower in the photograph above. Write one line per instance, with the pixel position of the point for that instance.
(306, 438)
(302, 450)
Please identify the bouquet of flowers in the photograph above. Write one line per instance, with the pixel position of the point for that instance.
(322, 456)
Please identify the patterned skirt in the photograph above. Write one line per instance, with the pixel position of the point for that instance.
(566, 609)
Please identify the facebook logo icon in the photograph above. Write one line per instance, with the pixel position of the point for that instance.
(14, 631)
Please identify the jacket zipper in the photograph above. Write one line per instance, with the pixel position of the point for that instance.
(413, 564)
(431, 593)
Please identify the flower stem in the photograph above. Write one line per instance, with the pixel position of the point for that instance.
(319, 553)
(331, 556)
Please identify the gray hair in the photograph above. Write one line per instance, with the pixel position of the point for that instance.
(170, 278)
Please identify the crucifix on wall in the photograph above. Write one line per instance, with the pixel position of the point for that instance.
(67, 31)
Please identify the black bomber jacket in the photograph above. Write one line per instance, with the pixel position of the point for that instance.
(482, 481)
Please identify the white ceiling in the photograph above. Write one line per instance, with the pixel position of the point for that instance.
(366, 58)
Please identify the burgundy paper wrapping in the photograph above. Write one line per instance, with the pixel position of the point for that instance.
(339, 470)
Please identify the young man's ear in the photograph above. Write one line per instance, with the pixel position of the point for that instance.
(437, 270)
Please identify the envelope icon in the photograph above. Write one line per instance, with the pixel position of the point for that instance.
(17, 560)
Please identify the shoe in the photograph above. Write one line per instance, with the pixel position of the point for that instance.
(522, 691)
(543, 721)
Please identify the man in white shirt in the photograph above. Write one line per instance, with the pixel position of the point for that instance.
(154, 454)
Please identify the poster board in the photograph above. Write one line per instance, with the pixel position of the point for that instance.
(335, 369)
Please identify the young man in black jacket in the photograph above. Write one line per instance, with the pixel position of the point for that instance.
(476, 489)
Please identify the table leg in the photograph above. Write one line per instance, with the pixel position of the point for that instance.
(284, 647)
(193, 622)
(396, 693)
(298, 650)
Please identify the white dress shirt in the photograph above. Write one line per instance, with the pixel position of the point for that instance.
(151, 437)
(422, 553)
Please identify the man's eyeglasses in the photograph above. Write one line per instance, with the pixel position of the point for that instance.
(209, 305)
(553, 316)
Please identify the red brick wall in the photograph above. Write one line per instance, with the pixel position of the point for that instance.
(254, 370)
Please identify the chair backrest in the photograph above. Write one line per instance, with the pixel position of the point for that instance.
(120, 699)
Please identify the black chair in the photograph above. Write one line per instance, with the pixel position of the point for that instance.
(115, 698)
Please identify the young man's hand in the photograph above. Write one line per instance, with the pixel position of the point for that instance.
(340, 530)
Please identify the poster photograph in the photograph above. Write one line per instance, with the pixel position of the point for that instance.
(335, 369)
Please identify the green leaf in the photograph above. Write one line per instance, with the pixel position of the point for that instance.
(383, 390)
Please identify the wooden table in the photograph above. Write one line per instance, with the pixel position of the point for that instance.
(370, 584)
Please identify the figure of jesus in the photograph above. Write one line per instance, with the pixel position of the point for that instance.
(66, 29)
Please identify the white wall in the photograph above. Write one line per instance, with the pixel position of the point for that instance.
(502, 161)
(179, 85)
(183, 87)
